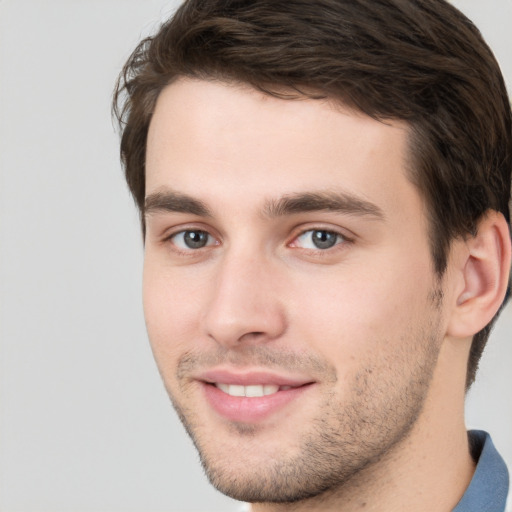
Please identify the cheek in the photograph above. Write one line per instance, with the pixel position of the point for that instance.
(171, 312)
(350, 318)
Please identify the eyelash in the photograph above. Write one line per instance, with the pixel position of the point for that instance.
(340, 240)
(188, 250)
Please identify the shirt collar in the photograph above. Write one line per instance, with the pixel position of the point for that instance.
(488, 489)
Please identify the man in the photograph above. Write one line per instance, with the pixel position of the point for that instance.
(324, 190)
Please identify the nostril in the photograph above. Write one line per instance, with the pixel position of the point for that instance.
(254, 334)
(252, 337)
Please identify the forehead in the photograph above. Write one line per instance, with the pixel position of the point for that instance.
(222, 141)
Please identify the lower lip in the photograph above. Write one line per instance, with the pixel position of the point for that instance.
(250, 409)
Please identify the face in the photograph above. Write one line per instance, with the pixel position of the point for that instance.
(288, 287)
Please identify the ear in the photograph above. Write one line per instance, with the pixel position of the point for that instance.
(485, 275)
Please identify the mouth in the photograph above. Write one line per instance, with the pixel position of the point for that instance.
(252, 397)
(251, 391)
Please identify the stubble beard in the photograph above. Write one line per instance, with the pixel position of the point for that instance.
(339, 447)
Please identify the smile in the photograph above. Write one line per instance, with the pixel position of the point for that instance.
(252, 400)
(252, 391)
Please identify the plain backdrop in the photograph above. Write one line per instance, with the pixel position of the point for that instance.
(85, 424)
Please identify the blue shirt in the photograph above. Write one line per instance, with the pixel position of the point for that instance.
(488, 489)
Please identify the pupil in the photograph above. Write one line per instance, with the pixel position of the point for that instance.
(324, 239)
(196, 239)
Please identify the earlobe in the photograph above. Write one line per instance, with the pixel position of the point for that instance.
(485, 274)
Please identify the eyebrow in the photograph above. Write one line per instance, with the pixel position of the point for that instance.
(339, 202)
(170, 201)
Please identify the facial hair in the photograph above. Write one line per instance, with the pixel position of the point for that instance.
(351, 433)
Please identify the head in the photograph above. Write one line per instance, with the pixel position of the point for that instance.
(419, 70)
(420, 62)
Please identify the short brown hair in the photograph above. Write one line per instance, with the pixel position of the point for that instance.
(420, 61)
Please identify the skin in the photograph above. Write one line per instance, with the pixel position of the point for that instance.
(366, 321)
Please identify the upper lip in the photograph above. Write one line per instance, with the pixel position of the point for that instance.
(248, 378)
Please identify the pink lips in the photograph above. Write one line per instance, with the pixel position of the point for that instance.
(251, 409)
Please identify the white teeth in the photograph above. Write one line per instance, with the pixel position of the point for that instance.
(249, 391)
(254, 391)
(270, 389)
(223, 387)
(236, 390)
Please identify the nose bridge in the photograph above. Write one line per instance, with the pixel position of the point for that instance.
(244, 304)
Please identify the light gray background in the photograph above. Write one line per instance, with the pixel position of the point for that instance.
(85, 424)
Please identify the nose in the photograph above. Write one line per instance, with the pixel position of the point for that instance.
(245, 307)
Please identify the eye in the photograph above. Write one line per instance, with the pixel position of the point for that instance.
(318, 239)
(192, 239)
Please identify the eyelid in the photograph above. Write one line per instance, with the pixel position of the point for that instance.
(171, 233)
(182, 246)
(344, 233)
